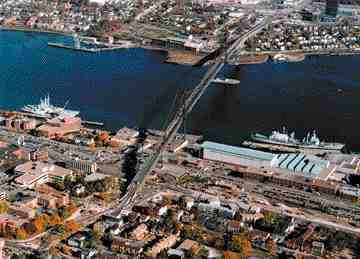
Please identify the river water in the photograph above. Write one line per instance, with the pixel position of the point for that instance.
(135, 88)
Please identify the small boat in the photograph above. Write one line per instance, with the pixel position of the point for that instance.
(226, 81)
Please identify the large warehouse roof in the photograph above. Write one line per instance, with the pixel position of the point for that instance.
(238, 151)
(308, 165)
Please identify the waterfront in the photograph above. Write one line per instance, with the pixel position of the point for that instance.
(134, 88)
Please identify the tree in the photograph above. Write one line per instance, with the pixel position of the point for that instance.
(72, 226)
(54, 251)
(98, 230)
(203, 252)
(40, 223)
(55, 219)
(230, 255)
(271, 247)
(21, 233)
(3, 207)
(66, 249)
(242, 244)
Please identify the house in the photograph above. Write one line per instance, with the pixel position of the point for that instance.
(234, 227)
(140, 232)
(88, 253)
(21, 211)
(162, 244)
(77, 240)
(195, 247)
(251, 217)
(175, 254)
(318, 248)
(258, 237)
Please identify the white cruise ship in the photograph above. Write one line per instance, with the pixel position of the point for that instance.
(45, 109)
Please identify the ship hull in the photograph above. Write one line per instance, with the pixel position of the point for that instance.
(264, 139)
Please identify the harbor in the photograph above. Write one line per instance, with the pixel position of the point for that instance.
(258, 102)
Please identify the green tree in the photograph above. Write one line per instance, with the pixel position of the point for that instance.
(3, 207)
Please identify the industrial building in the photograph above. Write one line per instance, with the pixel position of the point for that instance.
(60, 126)
(34, 173)
(308, 166)
(287, 164)
(235, 155)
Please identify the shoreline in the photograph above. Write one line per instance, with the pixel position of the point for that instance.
(299, 55)
(172, 56)
(24, 29)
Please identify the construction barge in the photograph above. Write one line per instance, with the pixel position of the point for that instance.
(252, 59)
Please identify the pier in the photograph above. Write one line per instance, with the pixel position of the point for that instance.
(89, 50)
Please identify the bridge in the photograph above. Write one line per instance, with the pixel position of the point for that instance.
(172, 128)
(177, 120)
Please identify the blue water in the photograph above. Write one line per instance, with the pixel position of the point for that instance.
(135, 88)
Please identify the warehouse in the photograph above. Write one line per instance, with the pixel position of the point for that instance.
(235, 155)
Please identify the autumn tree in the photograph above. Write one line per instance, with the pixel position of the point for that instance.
(72, 226)
(54, 251)
(98, 230)
(54, 219)
(230, 255)
(40, 223)
(3, 207)
(66, 249)
(271, 247)
(21, 233)
(72, 208)
(242, 244)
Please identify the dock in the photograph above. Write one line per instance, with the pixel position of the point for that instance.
(62, 46)
(89, 50)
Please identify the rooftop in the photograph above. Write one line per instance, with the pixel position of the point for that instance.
(307, 164)
(238, 151)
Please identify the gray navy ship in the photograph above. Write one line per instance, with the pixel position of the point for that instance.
(311, 141)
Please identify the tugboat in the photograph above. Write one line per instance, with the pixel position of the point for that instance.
(226, 81)
(311, 141)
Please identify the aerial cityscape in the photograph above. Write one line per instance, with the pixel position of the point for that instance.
(179, 129)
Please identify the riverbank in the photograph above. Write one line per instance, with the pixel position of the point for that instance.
(300, 55)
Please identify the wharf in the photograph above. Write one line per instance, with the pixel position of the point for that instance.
(58, 45)
(91, 50)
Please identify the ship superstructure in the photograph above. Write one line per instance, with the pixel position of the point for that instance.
(46, 109)
(311, 140)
